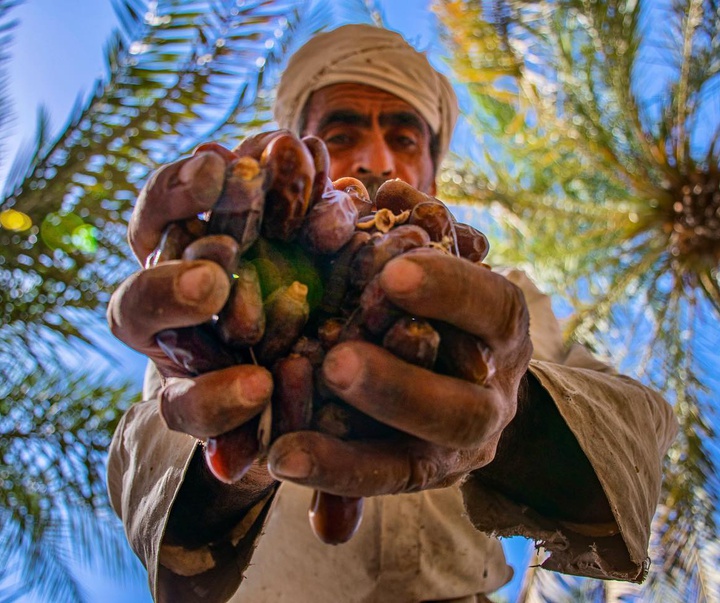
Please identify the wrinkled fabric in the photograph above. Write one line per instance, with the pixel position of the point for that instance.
(365, 54)
(623, 428)
(410, 547)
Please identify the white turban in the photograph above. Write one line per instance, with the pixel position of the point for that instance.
(365, 54)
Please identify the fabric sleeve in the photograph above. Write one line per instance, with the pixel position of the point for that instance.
(147, 464)
(623, 428)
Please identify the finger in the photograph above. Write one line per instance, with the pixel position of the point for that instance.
(433, 407)
(175, 192)
(216, 402)
(172, 294)
(365, 468)
(483, 302)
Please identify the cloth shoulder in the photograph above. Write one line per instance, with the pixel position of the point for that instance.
(146, 464)
(545, 329)
(624, 429)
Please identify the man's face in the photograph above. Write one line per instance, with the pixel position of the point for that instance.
(371, 135)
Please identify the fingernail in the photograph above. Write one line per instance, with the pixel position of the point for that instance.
(204, 174)
(341, 367)
(293, 465)
(191, 167)
(401, 277)
(258, 385)
(195, 284)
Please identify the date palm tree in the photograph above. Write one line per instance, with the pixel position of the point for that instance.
(599, 124)
(178, 72)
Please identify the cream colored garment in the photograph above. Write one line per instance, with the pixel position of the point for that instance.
(364, 54)
(409, 547)
(623, 428)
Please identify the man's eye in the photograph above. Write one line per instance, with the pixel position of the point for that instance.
(405, 142)
(340, 138)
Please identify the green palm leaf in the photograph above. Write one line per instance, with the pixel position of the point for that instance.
(178, 72)
(602, 176)
(54, 434)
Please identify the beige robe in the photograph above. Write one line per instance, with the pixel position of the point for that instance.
(424, 546)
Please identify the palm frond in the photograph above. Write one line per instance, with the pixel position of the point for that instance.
(55, 431)
(624, 180)
(177, 73)
(172, 75)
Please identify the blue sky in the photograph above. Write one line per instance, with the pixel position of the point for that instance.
(57, 56)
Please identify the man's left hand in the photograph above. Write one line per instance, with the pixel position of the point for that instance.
(452, 426)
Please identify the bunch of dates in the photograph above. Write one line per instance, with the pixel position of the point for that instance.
(304, 254)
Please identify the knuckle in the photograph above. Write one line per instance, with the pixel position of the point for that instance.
(178, 409)
(169, 409)
(119, 310)
(515, 311)
(488, 452)
(423, 472)
(111, 314)
(477, 425)
(132, 230)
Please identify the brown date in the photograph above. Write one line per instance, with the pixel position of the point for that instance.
(292, 396)
(239, 211)
(335, 519)
(321, 163)
(230, 455)
(253, 146)
(381, 248)
(197, 349)
(311, 348)
(221, 249)
(175, 238)
(472, 244)
(464, 355)
(338, 277)
(376, 310)
(437, 221)
(330, 223)
(241, 322)
(358, 193)
(329, 331)
(414, 340)
(397, 196)
(291, 182)
(286, 312)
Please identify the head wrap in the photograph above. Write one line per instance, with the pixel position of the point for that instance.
(365, 54)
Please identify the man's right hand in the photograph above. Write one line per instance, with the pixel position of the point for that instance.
(178, 294)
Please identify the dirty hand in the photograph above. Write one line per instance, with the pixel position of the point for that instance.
(450, 426)
(177, 294)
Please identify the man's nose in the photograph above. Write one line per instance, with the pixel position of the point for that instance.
(375, 158)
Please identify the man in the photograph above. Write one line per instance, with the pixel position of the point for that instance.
(557, 448)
